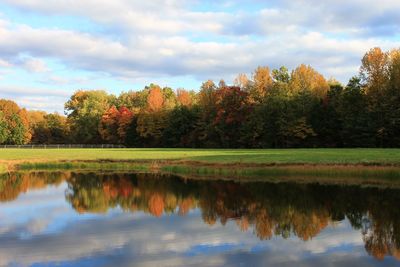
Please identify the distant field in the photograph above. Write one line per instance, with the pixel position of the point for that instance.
(260, 156)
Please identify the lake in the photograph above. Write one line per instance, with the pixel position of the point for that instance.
(128, 219)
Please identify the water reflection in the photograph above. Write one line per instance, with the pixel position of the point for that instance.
(284, 210)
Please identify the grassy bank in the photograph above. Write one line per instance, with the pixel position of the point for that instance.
(218, 156)
(341, 165)
(372, 166)
(331, 174)
(77, 166)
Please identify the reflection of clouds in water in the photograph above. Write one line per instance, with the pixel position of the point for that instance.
(343, 235)
(169, 240)
(44, 228)
(38, 226)
(34, 213)
(32, 203)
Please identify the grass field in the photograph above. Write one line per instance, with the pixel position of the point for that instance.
(256, 156)
(379, 166)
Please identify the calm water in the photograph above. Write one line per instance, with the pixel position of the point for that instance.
(69, 219)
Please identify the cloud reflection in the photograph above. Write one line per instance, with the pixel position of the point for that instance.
(56, 234)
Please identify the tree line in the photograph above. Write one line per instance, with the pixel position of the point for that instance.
(271, 109)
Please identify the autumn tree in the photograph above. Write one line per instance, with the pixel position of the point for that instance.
(35, 118)
(304, 78)
(261, 85)
(84, 110)
(280, 109)
(114, 125)
(4, 132)
(242, 81)
(205, 130)
(108, 125)
(169, 97)
(375, 77)
(231, 112)
(155, 99)
(15, 125)
(184, 98)
(134, 101)
(375, 72)
(124, 121)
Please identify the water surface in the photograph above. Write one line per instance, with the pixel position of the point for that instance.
(111, 219)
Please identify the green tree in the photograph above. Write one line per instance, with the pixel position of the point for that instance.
(325, 120)
(150, 127)
(180, 124)
(4, 132)
(17, 131)
(231, 112)
(281, 75)
(135, 101)
(170, 99)
(354, 114)
(392, 100)
(205, 131)
(85, 109)
(58, 128)
(15, 123)
(375, 77)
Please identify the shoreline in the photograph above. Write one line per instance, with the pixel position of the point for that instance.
(361, 166)
(346, 174)
(15, 165)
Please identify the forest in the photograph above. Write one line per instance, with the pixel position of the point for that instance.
(273, 108)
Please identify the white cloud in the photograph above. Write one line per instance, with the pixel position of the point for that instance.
(35, 65)
(49, 100)
(152, 56)
(4, 63)
(149, 40)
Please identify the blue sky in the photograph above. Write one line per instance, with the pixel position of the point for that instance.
(49, 49)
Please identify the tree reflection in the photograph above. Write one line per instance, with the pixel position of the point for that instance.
(268, 209)
(13, 184)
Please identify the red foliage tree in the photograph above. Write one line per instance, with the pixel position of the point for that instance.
(114, 124)
(184, 98)
(155, 99)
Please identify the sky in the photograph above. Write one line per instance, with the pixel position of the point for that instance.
(49, 49)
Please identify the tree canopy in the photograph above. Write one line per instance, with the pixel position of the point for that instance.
(268, 108)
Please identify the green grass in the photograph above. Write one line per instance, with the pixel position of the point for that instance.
(381, 166)
(257, 156)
